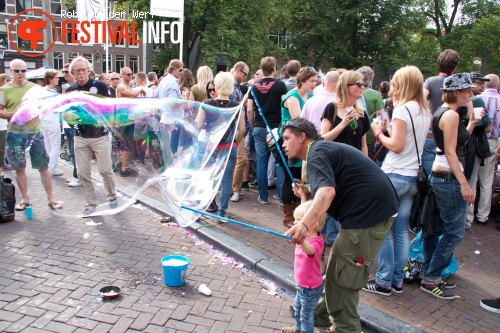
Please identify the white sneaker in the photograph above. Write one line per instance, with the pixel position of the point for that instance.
(74, 182)
(56, 173)
(468, 225)
(235, 197)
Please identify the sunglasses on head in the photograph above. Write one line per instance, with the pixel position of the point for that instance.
(359, 84)
(293, 125)
(19, 70)
(309, 69)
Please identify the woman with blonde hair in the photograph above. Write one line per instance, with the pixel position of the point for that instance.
(198, 91)
(344, 120)
(410, 122)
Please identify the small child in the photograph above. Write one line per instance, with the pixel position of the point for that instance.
(307, 273)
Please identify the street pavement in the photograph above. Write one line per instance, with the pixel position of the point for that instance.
(53, 267)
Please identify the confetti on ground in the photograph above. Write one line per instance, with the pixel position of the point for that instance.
(93, 223)
(86, 235)
(477, 252)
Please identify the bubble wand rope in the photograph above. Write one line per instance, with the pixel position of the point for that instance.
(272, 232)
(275, 141)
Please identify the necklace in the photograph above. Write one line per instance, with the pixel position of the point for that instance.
(354, 125)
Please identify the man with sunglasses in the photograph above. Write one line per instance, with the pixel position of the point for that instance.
(169, 88)
(91, 137)
(114, 81)
(347, 185)
(70, 79)
(11, 96)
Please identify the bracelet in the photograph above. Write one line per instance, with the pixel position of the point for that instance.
(377, 135)
(305, 226)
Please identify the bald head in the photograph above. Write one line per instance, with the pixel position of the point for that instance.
(493, 82)
(330, 81)
(17, 63)
(18, 70)
(126, 74)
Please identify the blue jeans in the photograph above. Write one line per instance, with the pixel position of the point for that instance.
(450, 222)
(70, 140)
(428, 155)
(280, 177)
(331, 229)
(392, 258)
(262, 154)
(304, 304)
(226, 183)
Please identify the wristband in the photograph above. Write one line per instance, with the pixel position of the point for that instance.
(305, 226)
(377, 135)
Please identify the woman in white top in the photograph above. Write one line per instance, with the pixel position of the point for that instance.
(401, 166)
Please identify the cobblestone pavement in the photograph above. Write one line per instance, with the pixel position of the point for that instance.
(127, 249)
(52, 268)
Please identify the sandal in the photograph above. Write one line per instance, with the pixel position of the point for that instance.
(289, 330)
(22, 206)
(54, 205)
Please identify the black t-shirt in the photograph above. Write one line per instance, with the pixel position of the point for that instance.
(92, 128)
(268, 92)
(348, 135)
(364, 195)
(211, 115)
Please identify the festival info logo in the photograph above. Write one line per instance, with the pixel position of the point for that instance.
(31, 32)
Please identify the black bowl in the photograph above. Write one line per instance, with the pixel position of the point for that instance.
(110, 292)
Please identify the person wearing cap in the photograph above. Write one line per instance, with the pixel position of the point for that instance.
(447, 178)
(480, 147)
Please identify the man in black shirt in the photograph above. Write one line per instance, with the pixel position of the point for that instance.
(91, 137)
(355, 191)
(268, 95)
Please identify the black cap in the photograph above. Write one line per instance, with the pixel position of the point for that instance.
(478, 75)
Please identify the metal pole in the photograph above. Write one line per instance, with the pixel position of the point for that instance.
(181, 33)
(105, 32)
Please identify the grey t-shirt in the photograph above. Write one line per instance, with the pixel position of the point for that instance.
(434, 85)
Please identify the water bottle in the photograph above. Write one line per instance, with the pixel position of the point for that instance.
(29, 212)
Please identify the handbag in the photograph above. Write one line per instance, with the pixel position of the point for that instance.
(422, 178)
(7, 200)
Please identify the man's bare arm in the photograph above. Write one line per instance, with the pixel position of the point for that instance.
(4, 114)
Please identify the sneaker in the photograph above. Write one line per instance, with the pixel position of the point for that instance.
(492, 305)
(235, 197)
(56, 173)
(89, 210)
(291, 310)
(437, 290)
(481, 222)
(6, 167)
(254, 183)
(373, 287)
(276, 196)
(75, 182)
(448, 284)
(397, 289)
(262, 201)
(245, 186)
(413, 230)
(128, 173)
(468, 225)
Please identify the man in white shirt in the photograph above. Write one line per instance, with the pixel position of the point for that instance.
(314, 107)
(169, 88)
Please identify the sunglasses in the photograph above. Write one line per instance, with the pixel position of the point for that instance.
(181, 69)
(211, 90)
(359, 84)
(65, 72)
(129, 74)
(480, 82)
(293, 125)
(19, 70)
(114, 78)
(243, 72)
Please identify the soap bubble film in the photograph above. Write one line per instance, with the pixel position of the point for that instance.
(171, 156)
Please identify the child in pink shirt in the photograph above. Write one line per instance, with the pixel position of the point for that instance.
(307, 273)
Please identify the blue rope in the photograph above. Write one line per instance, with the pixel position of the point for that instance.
(272, 232)
(275, 141)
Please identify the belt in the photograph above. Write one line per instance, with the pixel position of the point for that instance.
(443, 175)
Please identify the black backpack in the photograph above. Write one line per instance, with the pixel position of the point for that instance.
(7, 200)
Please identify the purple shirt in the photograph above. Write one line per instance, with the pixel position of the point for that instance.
(491, 98)
(314, 107)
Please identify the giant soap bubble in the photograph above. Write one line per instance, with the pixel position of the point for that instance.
(177, 162)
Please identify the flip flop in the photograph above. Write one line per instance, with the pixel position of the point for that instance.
(54, 205)
(22, 206)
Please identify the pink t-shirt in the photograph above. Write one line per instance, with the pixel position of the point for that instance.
(307, 269)
(315, 106)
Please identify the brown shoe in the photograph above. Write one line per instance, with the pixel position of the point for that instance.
(288, 215)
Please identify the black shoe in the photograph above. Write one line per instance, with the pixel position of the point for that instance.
(448, 284)
(128, 173)
(271, 187)
(373, 287)
(291, 310)
(437, 290)
(254, 183)
(492, 305)
(245, 186)
(213, 207)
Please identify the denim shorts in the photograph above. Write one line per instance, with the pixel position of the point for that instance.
(16, 151)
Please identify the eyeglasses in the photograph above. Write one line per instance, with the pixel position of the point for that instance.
(80, 70)
(243, 72)
(359, 84)
(293, 125)
(114, 78)
(65, 72)
(181, 69)
(211, 90)
(129, 74)
(480, 82)
(19, 70)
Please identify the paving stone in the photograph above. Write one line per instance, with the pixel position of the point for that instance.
(21, 324)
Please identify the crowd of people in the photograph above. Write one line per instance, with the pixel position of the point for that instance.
(346, 160)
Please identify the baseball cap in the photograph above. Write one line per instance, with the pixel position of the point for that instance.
(478, 75)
